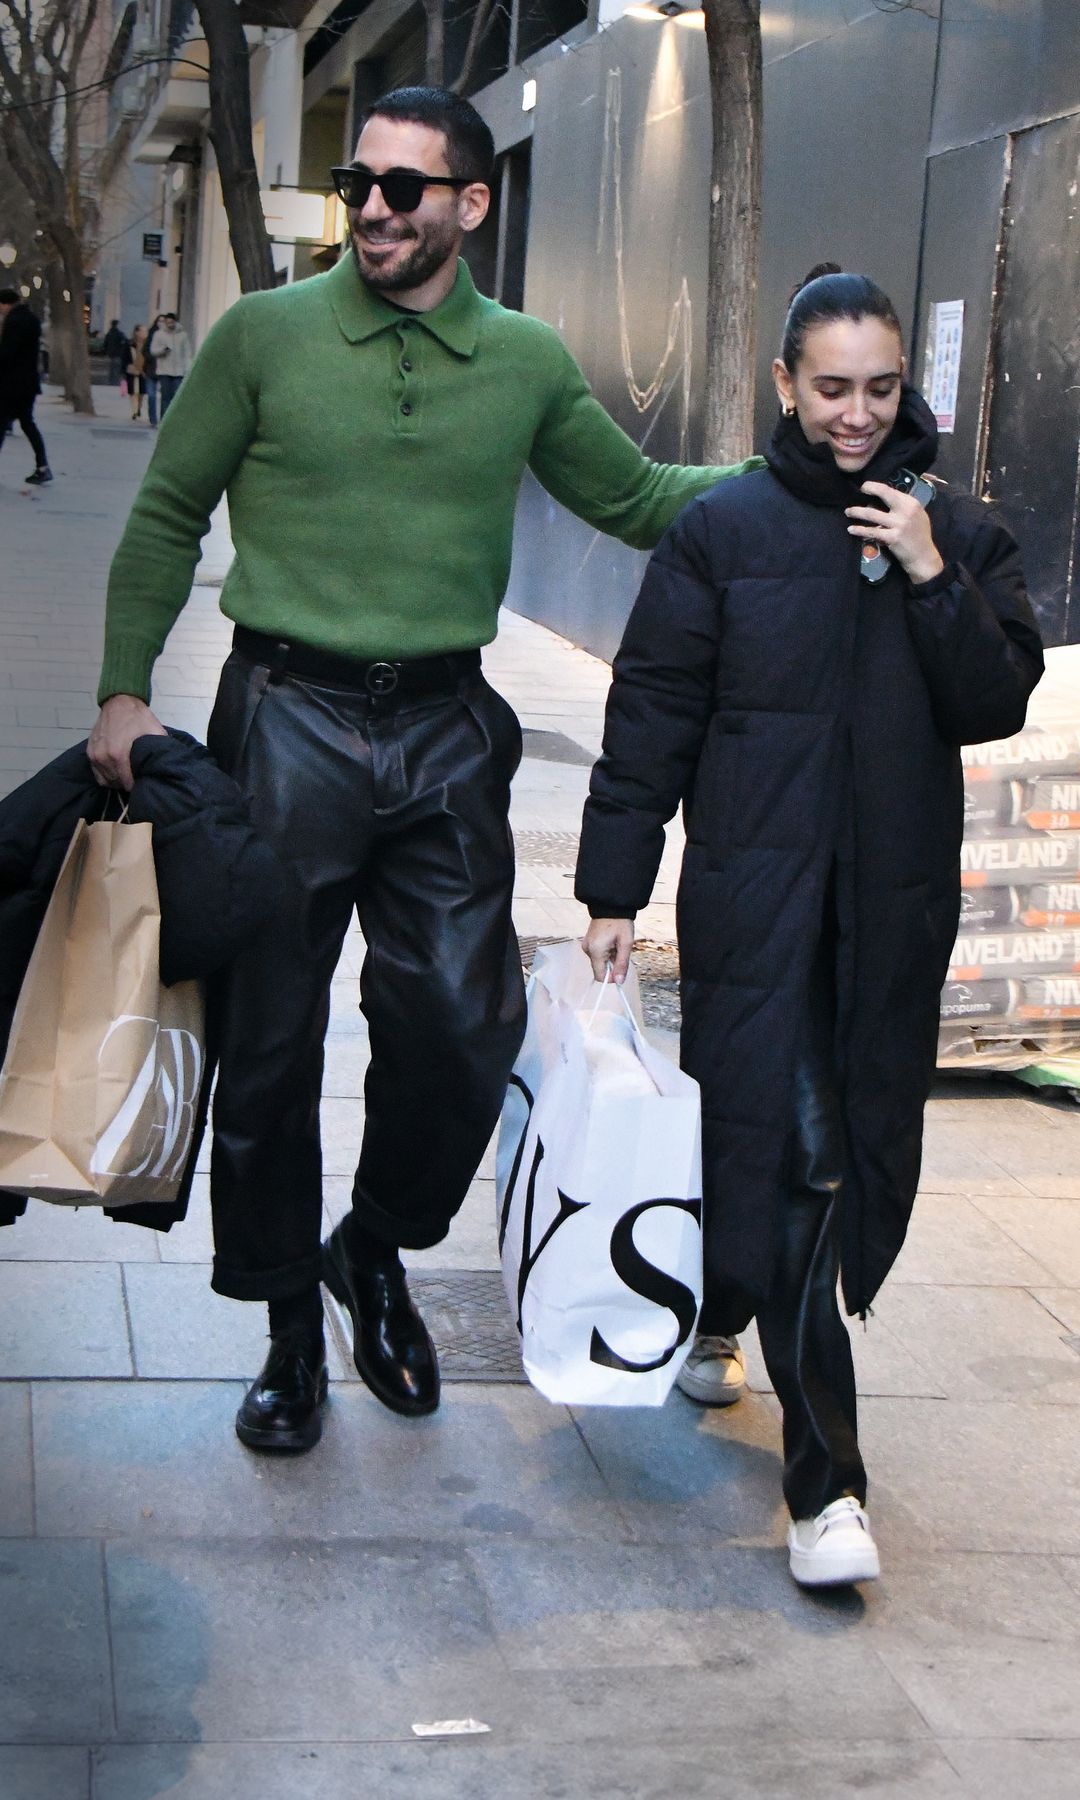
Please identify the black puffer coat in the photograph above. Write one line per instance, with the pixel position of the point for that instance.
(809, 722)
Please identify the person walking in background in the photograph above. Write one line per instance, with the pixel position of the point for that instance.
(172, 355)
(136, 369)
(354, 713)
(115, 346)
(154, 335)
(806, 696)
(20, 377)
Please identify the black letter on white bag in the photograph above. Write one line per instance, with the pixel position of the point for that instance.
(654, 1284)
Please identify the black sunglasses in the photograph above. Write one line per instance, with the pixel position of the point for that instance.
(402, 189)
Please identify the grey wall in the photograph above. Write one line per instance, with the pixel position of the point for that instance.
(844, 178)
(889, 142)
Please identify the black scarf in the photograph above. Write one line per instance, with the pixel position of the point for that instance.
(811, 471)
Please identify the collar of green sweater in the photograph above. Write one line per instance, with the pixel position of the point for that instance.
(362, 314)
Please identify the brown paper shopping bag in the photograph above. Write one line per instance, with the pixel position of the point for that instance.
(100, 1084)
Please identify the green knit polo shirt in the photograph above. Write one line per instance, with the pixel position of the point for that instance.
(372, 460)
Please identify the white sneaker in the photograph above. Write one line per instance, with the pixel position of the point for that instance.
(714, 1373)
(834, 1549)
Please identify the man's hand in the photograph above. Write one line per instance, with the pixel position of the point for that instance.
(121, 720)
(904, 530)
(609, 941)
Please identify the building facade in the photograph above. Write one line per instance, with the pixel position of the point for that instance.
(936, 147)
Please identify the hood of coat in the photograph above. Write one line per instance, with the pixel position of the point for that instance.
(810, 470)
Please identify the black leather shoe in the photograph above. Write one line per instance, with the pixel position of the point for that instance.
(392, 1348)
(281, 1408)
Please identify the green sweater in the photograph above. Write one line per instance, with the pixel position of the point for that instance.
(372, 460)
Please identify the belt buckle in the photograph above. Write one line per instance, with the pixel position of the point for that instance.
(381, 678)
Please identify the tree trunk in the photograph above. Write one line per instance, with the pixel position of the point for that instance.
(77, 388)
(733, 34)
(230, 134)
(435, 43)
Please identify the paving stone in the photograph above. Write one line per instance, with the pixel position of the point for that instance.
(929, 1599)
(342, 1127)
(1018, 1689)
(949, 1239)
(156, 1459)
(485, 1768)
(993, 1769)
(883, 1363)
(970, 1475)
(55, 1682)
(183, 1331)
(60, 1319)
(303, 1642)
(563, 1607)
(953, 1163)
(984, 1343)
(1048, 1228)
(48, 1233)
(192, 1240)
(16, 1469)
(683, 1472)
(1063, 1304)
(28, 1772)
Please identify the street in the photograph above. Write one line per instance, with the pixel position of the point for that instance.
(606, 1591)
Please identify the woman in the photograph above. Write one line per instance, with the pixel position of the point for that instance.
(810, 721)
(136, 369)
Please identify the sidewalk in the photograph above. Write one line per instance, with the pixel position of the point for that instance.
(607, 1591)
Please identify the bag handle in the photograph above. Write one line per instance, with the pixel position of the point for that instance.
(112, 794)
(626, 1006)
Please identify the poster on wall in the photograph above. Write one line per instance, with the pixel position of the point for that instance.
(941, 373)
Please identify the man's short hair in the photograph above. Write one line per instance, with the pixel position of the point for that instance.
(9, 296)
(470, 147)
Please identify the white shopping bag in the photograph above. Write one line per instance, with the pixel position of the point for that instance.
(598, 1185)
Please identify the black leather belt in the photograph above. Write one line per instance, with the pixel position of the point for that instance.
(410, 675)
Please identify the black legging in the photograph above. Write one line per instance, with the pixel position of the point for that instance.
(24, 416)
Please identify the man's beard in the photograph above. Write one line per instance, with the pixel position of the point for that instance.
(430, 253)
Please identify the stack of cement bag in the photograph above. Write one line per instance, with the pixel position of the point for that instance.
(1012, 999)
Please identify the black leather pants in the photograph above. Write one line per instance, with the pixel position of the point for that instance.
(804, 1340)
(397, 806)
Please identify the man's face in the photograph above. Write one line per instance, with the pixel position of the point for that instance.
(397, 252)
(5, 308)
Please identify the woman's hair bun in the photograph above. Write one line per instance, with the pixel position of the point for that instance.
(815, 274)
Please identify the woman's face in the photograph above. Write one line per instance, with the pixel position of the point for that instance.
(846, 387)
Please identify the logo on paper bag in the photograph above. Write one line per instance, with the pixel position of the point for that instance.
(642, 1277)
(159, 1070)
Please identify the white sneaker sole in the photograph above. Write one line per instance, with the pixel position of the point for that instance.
(839, 1567)
(705, 1392)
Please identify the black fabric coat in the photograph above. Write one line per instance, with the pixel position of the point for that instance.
(810, 723)
(217, 879)
(20, 349)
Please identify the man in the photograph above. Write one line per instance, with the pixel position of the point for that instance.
(20, 379)
(115, 346)
(172, 358)
(371, 427)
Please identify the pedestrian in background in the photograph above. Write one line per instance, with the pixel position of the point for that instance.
(810, 721)
(136, 369)
(172, 354)
(20, 378)
(115, 346)
(150, 367)
(354, 713)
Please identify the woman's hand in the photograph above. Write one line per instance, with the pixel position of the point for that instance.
(904, 531)
(609, 941)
